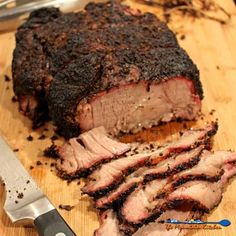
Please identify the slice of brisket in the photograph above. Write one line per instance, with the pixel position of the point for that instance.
(80, 155)
(190, 139)
(108, 65)
(211, 165)
(109, 225)
(151, 199)
(181, 213)
(101, 136)
(109, 175)
(139, 206)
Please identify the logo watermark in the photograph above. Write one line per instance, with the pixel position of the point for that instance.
(196, 224)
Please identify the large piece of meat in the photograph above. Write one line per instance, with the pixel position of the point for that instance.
(108, 65)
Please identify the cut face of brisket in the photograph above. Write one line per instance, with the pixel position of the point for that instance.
(138, 108)
(108, 65)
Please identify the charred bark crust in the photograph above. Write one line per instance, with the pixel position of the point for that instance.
(61, 59)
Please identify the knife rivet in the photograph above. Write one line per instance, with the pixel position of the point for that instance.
(60, 234)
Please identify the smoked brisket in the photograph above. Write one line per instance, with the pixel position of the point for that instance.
(108, 65)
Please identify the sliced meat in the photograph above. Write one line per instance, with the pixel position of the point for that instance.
(113, 146)
(139, 204)
(174, 164)
(80, 155)
(109, 225)
(205, 195)
(188, 140)
(146, 197)
(211, 166)
(209, 159)
(165, 168)
(93, 146)
(182, 213)
(79, 158)
(101, 148)
(120, 193)
(229, 172)
(107, 65)
(110, 174)
(67, 163)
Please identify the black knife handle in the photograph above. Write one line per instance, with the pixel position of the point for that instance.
(52, 224)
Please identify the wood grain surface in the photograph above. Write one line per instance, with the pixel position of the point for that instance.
(211, 45)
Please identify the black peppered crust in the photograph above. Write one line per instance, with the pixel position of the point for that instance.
(61, 59)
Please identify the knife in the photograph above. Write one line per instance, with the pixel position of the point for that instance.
(13, 12)
(25, 202)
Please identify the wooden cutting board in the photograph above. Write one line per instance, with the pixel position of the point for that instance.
(212, 47)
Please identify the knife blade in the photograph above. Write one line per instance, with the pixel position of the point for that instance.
(25, 202)
(11, 16)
